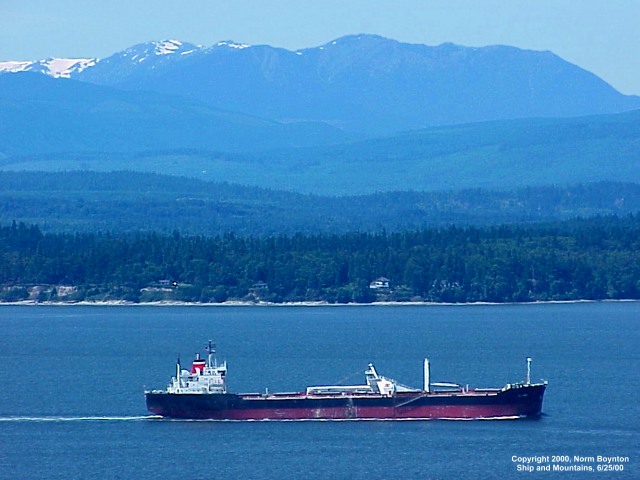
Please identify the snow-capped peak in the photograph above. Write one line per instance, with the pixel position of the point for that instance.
(158, 49)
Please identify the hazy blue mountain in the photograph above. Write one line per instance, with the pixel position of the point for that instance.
(368, 83)
(500, 154)
(44, 115)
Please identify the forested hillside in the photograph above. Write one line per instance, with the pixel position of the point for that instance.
(491, 155)
(128, 202)
(582, 259)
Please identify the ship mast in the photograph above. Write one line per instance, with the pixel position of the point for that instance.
(178, 368)
(426, 372)
(211, 349)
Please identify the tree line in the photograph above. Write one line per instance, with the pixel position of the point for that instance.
(592, 259)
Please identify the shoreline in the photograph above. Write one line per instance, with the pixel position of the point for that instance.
(123, 303)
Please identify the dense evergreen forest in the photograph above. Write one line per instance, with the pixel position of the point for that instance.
(594, 259)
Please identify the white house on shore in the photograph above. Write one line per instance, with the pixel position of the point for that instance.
(380, 284)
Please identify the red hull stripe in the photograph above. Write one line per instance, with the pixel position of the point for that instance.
(379, 413)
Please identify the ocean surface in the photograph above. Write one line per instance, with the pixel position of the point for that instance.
(72, 381)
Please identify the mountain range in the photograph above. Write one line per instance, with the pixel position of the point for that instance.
(361, 83)
(358, 115)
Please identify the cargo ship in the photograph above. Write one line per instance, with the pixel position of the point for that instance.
(201, 393)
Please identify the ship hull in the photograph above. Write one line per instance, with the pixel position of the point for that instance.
(516, 402)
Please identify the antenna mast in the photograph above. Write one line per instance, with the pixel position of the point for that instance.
(211, 349)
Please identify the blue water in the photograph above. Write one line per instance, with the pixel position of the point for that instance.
(72, 381)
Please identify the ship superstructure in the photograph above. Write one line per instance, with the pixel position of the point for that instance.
(205, 377)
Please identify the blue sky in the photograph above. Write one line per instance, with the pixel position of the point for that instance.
(600, 36)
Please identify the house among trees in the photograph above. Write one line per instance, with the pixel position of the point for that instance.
(259, 289)
(381, 283)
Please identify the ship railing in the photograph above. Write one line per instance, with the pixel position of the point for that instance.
(449, 385)
(339, 390)
(509, 386)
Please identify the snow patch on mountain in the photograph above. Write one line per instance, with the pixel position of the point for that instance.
(54, 67)
(167, 47)
(14, 66)
(156, 49)
(64, 67)
(232, 44)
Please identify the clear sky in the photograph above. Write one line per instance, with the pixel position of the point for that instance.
(602, 36)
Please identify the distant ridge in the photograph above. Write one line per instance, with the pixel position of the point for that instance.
(43, 115)
(502, 154)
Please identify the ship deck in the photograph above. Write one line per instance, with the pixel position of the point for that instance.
(476, 392)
